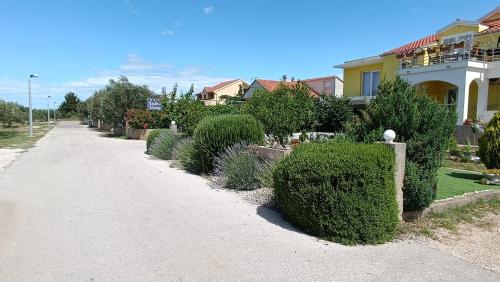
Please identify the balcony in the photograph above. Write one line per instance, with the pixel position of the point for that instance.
(448, 54)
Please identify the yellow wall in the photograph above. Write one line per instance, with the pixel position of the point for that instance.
(352, 78)
(487, 41)
(390, 67)
(456, 30)
(494, 97)
(435, 89)
(472, 109)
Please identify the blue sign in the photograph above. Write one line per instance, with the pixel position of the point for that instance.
(154, 104)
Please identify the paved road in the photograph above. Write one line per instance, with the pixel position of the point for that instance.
(83, 207)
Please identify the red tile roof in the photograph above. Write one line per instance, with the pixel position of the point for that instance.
(271, 85)
(408, 48)
(218, 86)
(493, 26)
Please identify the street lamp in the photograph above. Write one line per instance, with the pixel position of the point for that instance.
(55, 113)
(30, 103)
(48, 110)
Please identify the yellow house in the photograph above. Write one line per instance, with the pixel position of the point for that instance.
(459, 63)
(216, 94)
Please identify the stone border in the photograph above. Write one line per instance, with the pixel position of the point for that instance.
(270, 153)
(445, 204)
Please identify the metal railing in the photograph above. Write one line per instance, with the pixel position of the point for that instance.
(476, 54)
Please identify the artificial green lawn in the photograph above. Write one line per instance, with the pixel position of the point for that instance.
(458, 182)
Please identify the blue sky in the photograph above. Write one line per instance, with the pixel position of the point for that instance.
(79, 45)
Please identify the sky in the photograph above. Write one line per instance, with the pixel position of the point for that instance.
(79, 45)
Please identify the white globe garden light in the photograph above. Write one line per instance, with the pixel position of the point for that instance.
(389, 136)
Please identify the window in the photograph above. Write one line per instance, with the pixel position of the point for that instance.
(370, 81)
(466, 37)
(451, 97)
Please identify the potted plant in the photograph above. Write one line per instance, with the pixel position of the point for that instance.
(467, 151)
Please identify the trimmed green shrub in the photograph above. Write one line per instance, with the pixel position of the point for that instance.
(214, 134)
(163, 145)
(339, 191)
(183, 152)
(420, 122)
(489, 143)
(153, 133)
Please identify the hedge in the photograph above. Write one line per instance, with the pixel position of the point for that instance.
(213, 134)
(339, 191)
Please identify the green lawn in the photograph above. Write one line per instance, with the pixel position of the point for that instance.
(18, 136)
(453, 182)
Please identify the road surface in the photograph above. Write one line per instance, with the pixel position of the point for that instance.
(84, 207)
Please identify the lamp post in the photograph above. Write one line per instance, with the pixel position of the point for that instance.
(48, 110)
(55, 113)
(30, 103)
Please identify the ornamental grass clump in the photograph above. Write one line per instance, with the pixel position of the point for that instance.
(213, 134)
(183, 152)
(240, 169)
(339, 191)
(153, 134)
(163, 145)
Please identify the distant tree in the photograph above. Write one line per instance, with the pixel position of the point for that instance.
(69, 107)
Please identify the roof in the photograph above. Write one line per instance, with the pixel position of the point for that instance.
(321, 78)
(407, 48)
(360, 62)
(271, 85)
(219, 86)
(493, 26)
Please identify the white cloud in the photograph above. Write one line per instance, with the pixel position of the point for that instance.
(130, 7)
(136, 69)
(177, 23)
(167, 33)
(208, 10)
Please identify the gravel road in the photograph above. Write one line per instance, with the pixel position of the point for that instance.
(84, 207)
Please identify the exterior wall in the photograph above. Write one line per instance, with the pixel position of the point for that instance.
(472, 109)
(339, 87)
(435, 89)
(253, 87)
(326, 86)
(229, 90)
(390, 67)
(487, 41)
(352, 78)
(457, 30)
(493, 97)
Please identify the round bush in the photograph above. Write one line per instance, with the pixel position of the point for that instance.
(213, 134)
(153, 134)
(339, 191)
(163, 145)
(489, 143)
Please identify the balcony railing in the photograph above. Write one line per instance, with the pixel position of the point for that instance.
(476, 54)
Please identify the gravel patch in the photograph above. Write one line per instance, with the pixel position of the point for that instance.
(478, 242)
(7, 156)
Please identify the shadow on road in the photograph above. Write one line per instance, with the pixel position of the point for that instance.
(276, 218)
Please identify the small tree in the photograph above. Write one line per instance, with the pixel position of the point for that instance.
(69, 107)
(333, 113)
(285, 110)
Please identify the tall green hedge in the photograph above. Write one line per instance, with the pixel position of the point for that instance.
(420, 122)
(213, 134)
(339, 191)
(489, 143)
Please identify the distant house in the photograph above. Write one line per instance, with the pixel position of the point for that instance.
(330, 85)
(214, 95)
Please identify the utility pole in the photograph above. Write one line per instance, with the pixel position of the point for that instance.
(30, 104)
(55, 113)
(48, 110)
